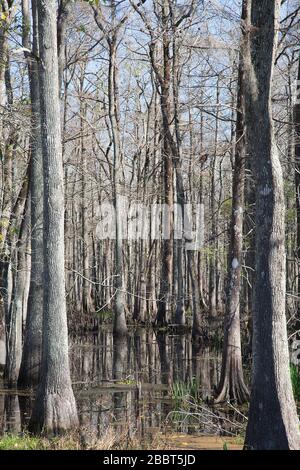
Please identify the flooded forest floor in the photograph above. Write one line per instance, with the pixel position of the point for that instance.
(150, 390)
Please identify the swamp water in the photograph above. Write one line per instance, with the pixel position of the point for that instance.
(145, 384)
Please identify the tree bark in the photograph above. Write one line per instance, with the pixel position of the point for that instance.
(166, 279)
(54, 408)
(32, 348)
(273, 421)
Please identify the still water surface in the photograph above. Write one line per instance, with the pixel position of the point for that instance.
(127, 384)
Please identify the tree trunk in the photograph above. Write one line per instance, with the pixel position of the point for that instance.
(5, 165)
(120, 326)
(87, 302)
(297, 182)
(179, 246)
(32, 348)
(232, 384)
(64, 8)
(13, 327)
(213, 256)
(273, 421)
(166, 280)
(54, 408)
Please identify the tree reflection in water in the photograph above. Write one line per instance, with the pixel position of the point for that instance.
(125, 382)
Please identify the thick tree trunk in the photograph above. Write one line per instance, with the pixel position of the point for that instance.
(166, 279)
(273, 421)
(32, 348)
(232, 384)
(54, 408)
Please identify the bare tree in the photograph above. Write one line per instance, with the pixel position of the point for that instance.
(55, 408)
(232, 384)
(111, 29)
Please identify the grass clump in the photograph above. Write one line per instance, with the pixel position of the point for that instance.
(26, 441)
(105, 316)
(112, 439)
(182, 392)
(20, 442)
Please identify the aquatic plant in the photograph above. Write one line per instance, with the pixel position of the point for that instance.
(112, 439)
(182, 390)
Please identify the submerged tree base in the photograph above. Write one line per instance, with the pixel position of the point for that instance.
(232, 387)
(29, 374)
(54, 414)
(234, 391)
